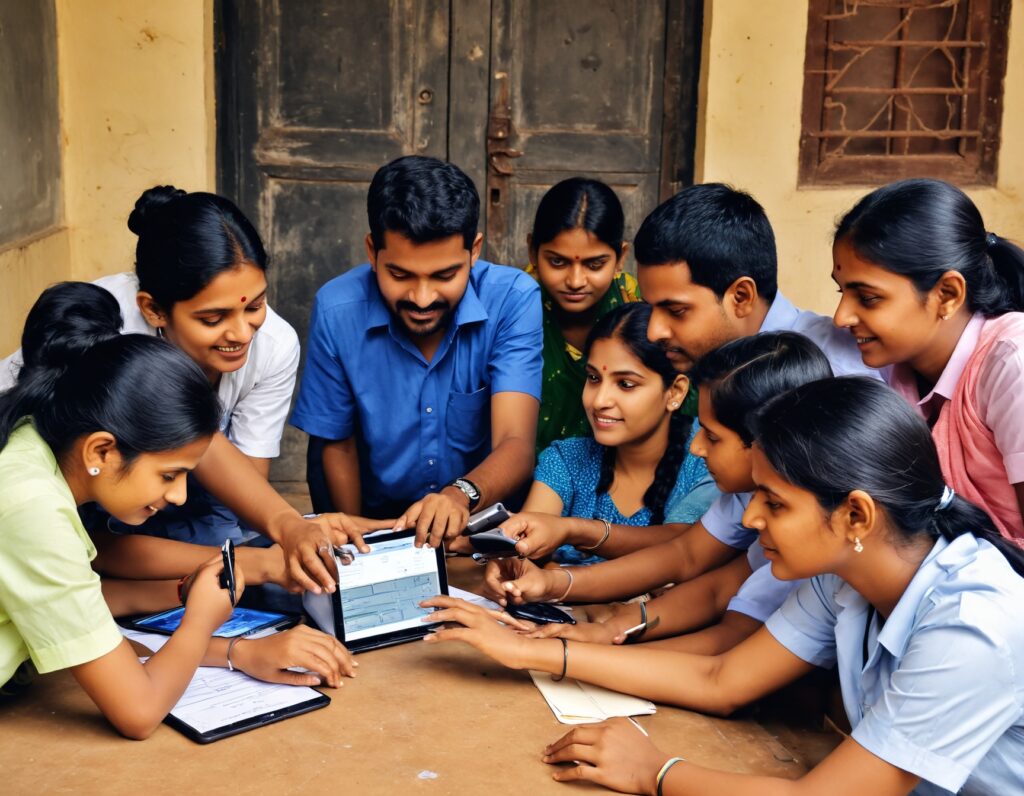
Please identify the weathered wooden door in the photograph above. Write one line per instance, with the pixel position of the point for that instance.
(315, 95)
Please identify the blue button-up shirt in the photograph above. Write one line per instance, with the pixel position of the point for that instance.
(941, 694)
(417, 424)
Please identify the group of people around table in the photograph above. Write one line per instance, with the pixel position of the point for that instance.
(768, 490)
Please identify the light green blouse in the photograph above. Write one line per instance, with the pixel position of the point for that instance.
(51, 607)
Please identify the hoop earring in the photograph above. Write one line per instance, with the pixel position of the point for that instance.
(857, 546)
(94, 471)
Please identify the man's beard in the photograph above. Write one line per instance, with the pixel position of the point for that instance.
(422, 330)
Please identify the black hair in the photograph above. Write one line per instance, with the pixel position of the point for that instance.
(628, 324)
(80, 375)
(834, 436)
(423, 199)
(742, 374)
(580, 203)
(186, 240)
(921, 229)
(720, 233)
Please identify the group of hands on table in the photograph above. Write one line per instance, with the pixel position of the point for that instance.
(614, 753)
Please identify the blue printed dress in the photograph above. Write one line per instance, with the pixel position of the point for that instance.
(572, 468)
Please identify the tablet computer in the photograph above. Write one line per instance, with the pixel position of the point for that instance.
(377, 600)
(243, 622)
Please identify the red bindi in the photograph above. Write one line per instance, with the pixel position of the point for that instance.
(243, 299)
(604, 367)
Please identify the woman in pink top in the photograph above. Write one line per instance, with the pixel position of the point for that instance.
(927, 290)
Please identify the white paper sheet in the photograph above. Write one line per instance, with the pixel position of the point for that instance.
(574, 702)
(217, 697)
(470, 597)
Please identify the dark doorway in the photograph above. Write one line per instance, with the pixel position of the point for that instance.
(314, 96)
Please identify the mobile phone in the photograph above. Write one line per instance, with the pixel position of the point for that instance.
(227, 574)
(493, 544)
(541, 613)
(490, 517)
(243, 622)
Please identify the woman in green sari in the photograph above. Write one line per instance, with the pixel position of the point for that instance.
(576, 254)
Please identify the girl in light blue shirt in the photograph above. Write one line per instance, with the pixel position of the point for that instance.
(912, 594)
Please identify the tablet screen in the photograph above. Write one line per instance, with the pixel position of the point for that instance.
(381, 590)
(241, 622)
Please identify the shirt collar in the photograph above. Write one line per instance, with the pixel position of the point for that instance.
(950, 376)
(781, 315)
(945, 557)
(469, 310)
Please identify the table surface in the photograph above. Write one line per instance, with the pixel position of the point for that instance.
(435, 719)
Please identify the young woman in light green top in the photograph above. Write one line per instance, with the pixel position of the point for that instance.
(118, 420)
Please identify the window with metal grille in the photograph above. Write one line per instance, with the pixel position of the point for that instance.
(903, 88)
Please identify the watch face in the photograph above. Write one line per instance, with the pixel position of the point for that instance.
(471, 491)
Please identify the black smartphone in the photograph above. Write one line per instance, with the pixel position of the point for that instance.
(492, 544)
(227, 575)
(541, 613)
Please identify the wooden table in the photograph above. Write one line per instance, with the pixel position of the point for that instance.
(430, 719)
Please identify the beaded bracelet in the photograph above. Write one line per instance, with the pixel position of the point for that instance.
(664, 772)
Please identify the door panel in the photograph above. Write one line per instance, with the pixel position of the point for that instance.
(324, 92)
(576, 88)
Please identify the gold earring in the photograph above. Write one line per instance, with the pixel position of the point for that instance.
(857, 546)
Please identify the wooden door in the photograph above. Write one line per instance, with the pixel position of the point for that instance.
(314, 96)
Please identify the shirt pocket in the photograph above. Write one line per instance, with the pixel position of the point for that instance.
(468, 421)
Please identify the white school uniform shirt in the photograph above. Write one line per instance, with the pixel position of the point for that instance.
(255, 398)
(941, 694)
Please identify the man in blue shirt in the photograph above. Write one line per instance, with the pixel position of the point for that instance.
(423, 371)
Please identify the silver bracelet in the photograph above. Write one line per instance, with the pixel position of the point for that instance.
(231, 646)
(568, 588)
(607, 533)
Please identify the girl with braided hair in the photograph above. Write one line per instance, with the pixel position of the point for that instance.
(636, 470)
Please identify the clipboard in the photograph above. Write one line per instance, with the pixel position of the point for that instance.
(219, 703)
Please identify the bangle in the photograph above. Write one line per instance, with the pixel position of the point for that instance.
(664, 772)
(231, 646)
(607, 533)
(565, 660)
(643, 625)
(568, 588)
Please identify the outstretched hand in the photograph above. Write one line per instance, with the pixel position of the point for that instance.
(494, 633)
(615, 754)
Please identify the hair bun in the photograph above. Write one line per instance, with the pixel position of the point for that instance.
(67, 320)
(149, 205)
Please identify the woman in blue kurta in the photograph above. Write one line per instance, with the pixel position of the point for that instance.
(636, 470)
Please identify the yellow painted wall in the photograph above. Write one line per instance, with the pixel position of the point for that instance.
(137, 109)
(749, 129)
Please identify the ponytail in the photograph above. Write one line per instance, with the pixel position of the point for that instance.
(66, 321)
(834, 436)
(81, 376)
(921, 229)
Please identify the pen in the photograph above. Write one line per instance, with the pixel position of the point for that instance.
(634, 629)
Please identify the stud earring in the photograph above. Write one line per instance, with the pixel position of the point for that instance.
(674, 404)
(94, 471)
(857, 546)
(944, 317)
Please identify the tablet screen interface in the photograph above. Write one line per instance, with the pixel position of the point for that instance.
(381, 590)
(241, 622)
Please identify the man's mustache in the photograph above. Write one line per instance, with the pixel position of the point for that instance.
(412, 307)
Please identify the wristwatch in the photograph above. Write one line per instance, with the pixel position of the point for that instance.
(469, 489)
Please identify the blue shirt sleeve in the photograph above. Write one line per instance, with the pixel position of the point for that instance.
(761, 594)
(554, 470)
(805, 624)
(952, 697)
(516, 362)
(325, 406)
(724, 521)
